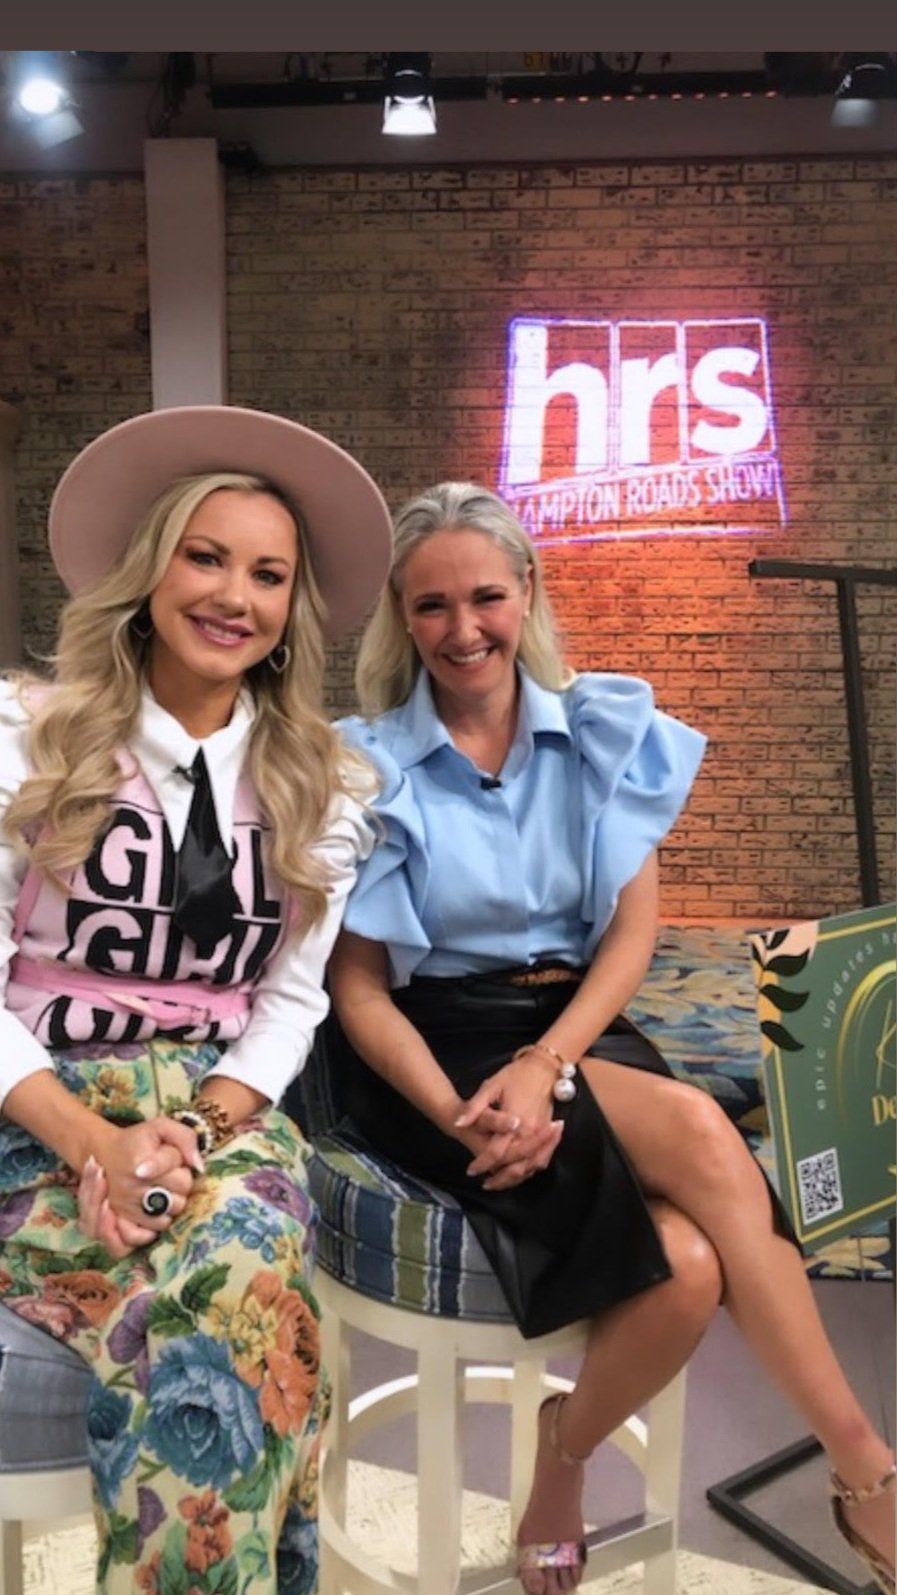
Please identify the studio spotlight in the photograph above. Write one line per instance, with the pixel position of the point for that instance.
(40, 99)
(866, 79)
(408, 107)
(41, 96)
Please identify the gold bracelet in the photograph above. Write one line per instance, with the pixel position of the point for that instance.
(217, 1117)
(543, 1046)
(523, 1052)
(208, 1121)
(564, 1088)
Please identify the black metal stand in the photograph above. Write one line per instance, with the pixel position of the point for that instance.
(727, 1497)
(847, 578)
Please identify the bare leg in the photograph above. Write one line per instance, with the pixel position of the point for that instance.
(683, 1147)
(634, 1349)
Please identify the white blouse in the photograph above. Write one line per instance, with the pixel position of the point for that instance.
(288, 1002)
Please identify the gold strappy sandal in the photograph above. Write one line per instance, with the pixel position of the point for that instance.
(844, 1495)
(560, 1553)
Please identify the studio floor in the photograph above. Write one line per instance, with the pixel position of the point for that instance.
(733, 1419)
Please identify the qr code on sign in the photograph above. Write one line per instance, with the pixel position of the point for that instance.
(819, 1178)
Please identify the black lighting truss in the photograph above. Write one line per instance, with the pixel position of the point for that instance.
(781, 74)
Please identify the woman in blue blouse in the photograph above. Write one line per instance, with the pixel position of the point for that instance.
(491, 943)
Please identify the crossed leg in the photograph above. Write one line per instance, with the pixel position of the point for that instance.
(683, 1148)
(715, 1218)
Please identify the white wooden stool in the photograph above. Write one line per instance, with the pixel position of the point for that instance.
(43, 1438)
(451, 1353)
(26, 1497)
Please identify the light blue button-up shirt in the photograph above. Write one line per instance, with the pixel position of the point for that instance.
(470, 876)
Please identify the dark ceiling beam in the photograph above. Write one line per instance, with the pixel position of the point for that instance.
(791, 75)
(332, 91)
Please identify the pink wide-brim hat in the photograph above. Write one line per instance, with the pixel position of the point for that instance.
(109, 487)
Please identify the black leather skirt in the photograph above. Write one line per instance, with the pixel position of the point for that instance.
(574, 1238)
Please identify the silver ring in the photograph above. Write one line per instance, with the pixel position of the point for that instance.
(156, 1201)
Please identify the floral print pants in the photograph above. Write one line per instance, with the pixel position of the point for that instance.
(206, 1402)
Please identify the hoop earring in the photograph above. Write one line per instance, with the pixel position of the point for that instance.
(142, 622)
(280, 657)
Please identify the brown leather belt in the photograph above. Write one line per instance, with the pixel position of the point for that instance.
(544, 977)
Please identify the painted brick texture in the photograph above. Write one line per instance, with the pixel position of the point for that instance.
(74, 351)
(374, 305)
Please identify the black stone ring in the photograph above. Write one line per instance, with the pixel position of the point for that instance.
(156, 1201)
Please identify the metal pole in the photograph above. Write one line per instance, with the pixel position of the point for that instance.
(859, 748)
(846, 579)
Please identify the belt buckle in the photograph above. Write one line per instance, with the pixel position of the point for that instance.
(543, 977)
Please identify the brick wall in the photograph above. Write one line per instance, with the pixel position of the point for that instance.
(74, 350)
(374, 305)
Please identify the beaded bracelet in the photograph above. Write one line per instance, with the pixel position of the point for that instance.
(564, 1088)
(209, 1122)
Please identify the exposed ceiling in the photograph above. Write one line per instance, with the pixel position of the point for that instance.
(325, 109)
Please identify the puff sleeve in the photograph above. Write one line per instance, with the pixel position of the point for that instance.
(638, 766)
(388, 896)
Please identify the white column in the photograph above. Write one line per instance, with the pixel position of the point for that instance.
(10, 612)
(186, 259)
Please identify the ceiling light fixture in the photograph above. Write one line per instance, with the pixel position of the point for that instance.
(867, 78)
(40, 98)
(408, 107)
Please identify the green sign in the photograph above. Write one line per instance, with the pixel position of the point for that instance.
(826, 1001)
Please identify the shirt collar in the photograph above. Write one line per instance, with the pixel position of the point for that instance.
(540, 708)
(418, 730)
(164, 749)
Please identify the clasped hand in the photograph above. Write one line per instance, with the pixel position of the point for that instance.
(127, 1162)
(508, 1125)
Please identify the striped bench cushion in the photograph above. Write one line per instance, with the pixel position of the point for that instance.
(396, 1238)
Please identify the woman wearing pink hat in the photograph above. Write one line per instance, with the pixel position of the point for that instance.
(180, 831)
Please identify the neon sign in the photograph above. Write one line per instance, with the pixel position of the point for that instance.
(640, 428)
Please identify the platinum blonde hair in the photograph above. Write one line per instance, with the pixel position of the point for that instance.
(86, 715)
(388, 662)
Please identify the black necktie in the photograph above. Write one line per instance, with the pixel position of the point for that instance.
(204, 901)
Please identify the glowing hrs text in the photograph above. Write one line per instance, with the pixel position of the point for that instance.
(636, 428)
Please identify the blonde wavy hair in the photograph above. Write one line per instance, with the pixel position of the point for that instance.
(87, 713)
(388, 661)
